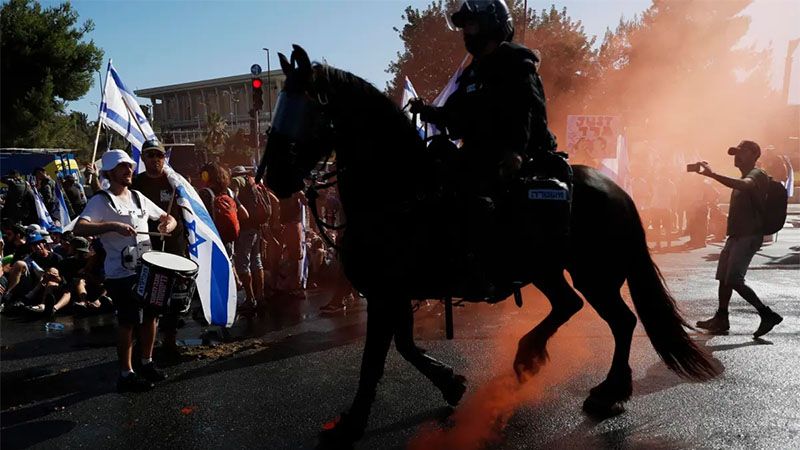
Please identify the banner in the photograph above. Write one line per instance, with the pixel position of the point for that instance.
(593, 137)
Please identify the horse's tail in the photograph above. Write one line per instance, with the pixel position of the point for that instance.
(659, 314)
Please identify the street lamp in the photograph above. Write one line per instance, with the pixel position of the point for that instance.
(231, 101)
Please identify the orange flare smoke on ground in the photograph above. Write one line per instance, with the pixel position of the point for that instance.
(486, 409)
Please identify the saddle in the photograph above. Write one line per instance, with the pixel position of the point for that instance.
(507, 232)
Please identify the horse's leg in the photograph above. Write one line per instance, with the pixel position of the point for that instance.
(606, 398)
(442, 375)
(565, 302)
(350, 425)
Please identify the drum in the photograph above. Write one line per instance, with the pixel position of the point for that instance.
(166, 282)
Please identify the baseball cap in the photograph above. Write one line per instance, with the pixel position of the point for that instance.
(79, 244)
(239, 170)
(113, 158)
(152, 144)
(745, 146)
(35, 238)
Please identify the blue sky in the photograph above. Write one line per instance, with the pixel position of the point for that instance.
(155, 43)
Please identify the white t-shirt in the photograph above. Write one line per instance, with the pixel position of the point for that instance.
(122, 252)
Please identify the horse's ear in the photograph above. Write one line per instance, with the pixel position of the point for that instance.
(285, 65)
(300, 56)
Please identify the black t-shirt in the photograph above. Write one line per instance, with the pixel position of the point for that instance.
(72, 266)
(160, 192)
(52, 259)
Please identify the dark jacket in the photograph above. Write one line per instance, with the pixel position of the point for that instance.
(498, 108)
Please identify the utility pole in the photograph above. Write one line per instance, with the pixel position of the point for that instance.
(269, 88)
(524, 22)
(787, 69)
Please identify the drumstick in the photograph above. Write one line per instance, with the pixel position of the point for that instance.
(154, 233)
(169, 208)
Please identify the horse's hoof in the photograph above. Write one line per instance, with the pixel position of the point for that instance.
(454, 390)
(600, 408)
(341, 433)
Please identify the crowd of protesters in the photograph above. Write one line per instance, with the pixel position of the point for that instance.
(274, 245)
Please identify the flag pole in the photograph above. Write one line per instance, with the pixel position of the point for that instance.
(174, 188)
(99, 123)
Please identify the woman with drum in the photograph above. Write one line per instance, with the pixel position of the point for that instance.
(118, 216)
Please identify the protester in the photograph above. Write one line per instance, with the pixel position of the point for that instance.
(745, 237)
(47, 189)
(75, 196)
(249, 266)
(153, 183)
(19, 206)
(226, 211)
(119, 219)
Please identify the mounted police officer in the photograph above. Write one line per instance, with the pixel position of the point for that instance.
(498, 111)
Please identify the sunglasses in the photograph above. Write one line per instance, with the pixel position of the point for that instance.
(158, 155)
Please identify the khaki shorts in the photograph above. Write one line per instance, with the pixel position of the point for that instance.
(736, 257)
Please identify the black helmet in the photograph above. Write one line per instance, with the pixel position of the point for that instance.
(492, 15)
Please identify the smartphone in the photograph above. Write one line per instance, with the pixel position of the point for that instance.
(693, 167)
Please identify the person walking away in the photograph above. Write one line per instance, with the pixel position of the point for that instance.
(745, 237)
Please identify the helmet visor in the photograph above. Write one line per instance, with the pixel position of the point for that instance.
(454, 16)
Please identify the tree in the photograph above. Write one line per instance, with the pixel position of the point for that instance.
(216, 133)
(45, 63)
(678, 76)
(432, 53)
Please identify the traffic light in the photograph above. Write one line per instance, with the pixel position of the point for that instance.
(258, 98)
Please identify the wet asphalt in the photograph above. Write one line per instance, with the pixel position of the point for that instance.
(278, 380)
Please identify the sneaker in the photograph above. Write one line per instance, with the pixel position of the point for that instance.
(133, 383)
(150, 373)
(768, 321)
(717, 324)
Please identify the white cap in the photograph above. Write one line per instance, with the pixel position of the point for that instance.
(113, 158)
(238, 170)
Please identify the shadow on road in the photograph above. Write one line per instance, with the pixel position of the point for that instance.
(29, 434)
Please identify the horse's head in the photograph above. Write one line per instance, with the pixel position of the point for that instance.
(301, 131)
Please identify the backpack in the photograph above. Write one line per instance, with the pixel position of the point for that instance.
(224, 213)
(255, 200)
(773, 207)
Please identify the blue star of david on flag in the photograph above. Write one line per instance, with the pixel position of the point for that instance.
(192, 226)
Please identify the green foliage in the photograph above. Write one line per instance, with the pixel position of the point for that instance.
(45, 63)
(431, 55)
(216, 133)
(238, 149)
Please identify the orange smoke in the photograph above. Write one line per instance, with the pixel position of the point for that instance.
(483, 414)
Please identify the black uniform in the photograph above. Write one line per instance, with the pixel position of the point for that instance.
(497, 109)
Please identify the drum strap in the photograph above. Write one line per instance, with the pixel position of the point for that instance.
(136, 199)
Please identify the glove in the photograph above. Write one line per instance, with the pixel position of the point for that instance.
(426, 113)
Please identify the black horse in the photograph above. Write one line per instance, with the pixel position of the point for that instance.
(388, 244)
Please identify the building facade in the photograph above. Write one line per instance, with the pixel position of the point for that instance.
(180, 111)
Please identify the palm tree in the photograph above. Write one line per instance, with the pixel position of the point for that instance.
(217, 133)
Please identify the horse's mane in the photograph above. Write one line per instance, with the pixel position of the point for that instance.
(379, 111)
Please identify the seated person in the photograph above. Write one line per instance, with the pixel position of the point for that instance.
(50, 295)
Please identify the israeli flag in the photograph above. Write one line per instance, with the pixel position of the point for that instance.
(216, 284)
(45, 220)
(410, 93)
(63, 213)
(449, 88)
(121, 112)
